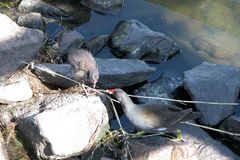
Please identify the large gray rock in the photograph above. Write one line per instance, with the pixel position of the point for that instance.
(132, 39)
(17, 43)
(198, 146)
(45, 9)
(213, 83)
(17, 91)
(3, 150)
(115, 73)
(104, 6)
(32, 20)
(62, 125)
(68, 37)
(164, 87)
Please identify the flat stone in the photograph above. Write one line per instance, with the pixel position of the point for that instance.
(213, 83)
(17, 44)
(63, 125)
(164, 87)
(118, 73)
(113, 73)
(15, 92)
(134, 40)
(198, 146)
(232, 125)
(47, 73)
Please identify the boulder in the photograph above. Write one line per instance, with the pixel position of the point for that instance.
(213, 83)
(17, 44)
(63, 125)
(198, 145)
(134, 40)
(67, 37)
(96, 44)
(32, 20)
(15, 92)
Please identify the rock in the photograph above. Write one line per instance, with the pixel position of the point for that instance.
(198, 146)
(47, 73)
(18, 91)
(45, 9)
(63, 125)
(17, 43)
(32, 20)
(96, 44)
(232, 124)
(3, 150)
(104, 6)
(118, 73)
(213, 83)
(134, 40)
(66, 38)
(113, 73)
(164, 87)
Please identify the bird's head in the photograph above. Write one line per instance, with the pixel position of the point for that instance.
(93, 77)
(119, 94)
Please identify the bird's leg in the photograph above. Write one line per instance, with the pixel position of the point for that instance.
(84, 89)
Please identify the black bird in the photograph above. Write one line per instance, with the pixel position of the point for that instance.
(84, 66)
(152, 118)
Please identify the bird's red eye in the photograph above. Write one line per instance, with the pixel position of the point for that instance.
(111, 91)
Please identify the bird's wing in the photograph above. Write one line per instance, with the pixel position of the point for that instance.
(163, 115)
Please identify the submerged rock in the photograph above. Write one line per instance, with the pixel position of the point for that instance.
(17, 44)
(63, 125)
(213, 83)
(134, 40)
(43, 8)
(104, 6)
(198, 146)
(32, 20)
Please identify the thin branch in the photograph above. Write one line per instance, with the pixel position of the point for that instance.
(184, 101)
(212, 129)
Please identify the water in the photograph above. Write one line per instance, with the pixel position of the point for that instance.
(205, 30)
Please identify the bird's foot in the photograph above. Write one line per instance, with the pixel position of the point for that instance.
(178, 138)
